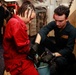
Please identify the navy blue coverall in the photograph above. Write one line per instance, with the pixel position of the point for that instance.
(63, 42)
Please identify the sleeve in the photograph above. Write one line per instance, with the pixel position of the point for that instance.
(46, 29)
(20, 37)
(70, 44)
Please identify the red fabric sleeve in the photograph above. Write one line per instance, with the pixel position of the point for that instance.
(20, 36)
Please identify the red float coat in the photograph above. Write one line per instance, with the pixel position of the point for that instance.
(16, 46)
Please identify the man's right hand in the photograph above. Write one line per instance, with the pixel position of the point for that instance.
(34, 50)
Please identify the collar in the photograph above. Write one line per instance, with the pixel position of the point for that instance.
(20, 20)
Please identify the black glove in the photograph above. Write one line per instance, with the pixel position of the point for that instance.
(34, 50)
(49, 56)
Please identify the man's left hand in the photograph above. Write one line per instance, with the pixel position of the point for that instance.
(56, 54)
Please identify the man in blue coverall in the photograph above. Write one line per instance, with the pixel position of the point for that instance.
(62, 44)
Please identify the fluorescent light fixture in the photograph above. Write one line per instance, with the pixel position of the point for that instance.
(10, 0)
(66, 4)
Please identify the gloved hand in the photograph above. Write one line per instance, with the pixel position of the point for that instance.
(34, 51)
(49, 56)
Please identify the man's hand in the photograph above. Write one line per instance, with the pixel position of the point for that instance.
(56, 54)
(46, 58)
(35, 47)
(34, 51)
(6, 73)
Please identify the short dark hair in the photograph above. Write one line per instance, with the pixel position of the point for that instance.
(25, 5)
(0, 1)
(60, 10)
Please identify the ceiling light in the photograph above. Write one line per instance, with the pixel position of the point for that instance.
(10, 0)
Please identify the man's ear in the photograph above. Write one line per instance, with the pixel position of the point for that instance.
(66, 19)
